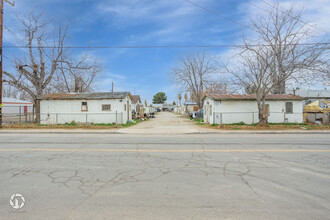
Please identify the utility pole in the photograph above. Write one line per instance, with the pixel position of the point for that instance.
(1, 57)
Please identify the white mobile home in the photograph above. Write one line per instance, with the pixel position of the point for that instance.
(13, 106)
(136, 103)
(86, 108)
(228, 109)
(191, 107)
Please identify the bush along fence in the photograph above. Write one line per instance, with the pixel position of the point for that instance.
(220, 118)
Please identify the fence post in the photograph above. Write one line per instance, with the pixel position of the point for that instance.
(33, 113)
(284, 118)
(116, 119)
(86, 118)
(213, 117)
(221, 119)
(56, 118)
(252, 118)
(20, 114)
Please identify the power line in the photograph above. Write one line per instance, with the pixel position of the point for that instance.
(157, 46)
(217, 14)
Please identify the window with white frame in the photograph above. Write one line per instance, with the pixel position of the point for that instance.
(124, 107)
(288, 107)
(106, 107)
(84, 107)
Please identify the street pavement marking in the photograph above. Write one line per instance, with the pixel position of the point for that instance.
(164, 151)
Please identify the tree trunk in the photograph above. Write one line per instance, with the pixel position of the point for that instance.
(263, 120)
(37, 110)
(263, 115)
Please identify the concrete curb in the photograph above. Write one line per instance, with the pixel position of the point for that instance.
(27, 131)
(55, 131)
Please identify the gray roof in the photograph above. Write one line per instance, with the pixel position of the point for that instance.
(13, 101)
(219, 97)
(317, 94)
(86, 96)
(136, 99)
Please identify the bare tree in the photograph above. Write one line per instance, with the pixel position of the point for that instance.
(44, 60)
(253, 68)
(9, 91)
(36, 69)
(76, 74)
(286, 36)
(280, 54)
(193, 71)
(216, 87)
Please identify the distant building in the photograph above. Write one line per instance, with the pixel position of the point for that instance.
(15, 106)
(228, 109)
(191, 107)
(136, 103)
(317, 112)
(106, 107)
(312, 95)
(162, 107)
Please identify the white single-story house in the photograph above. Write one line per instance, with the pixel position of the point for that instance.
(107, 107)
(180, 109)
(191, 107)
(136, 103)
(228, 109)
(12, 106)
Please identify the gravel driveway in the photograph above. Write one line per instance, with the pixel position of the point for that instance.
(165, 123)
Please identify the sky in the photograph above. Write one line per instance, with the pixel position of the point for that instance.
(146, 71)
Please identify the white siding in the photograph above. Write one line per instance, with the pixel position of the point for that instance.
(229, 112)
(66, 111)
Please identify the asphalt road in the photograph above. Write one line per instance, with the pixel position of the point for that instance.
(122, 176)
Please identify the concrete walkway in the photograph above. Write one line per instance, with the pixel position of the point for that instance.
(166, 123)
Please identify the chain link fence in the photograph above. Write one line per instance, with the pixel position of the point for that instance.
(253, 117)
(18, 114)
(82, 118)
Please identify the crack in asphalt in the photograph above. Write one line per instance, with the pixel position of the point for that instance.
(132, 167)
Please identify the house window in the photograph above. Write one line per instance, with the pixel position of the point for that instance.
(210, 110)
(84, 107)
(106, 107)
(288, 108)
(124, 107)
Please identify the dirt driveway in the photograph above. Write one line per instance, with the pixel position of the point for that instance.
(165, 123)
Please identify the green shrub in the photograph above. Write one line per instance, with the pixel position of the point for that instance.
(72, 123)
(239, 123)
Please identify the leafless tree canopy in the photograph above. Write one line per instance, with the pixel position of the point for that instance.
(193, 72)
(283, 30)
(46, 60)
(281, 55)
(252, 70)
(76, 74)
